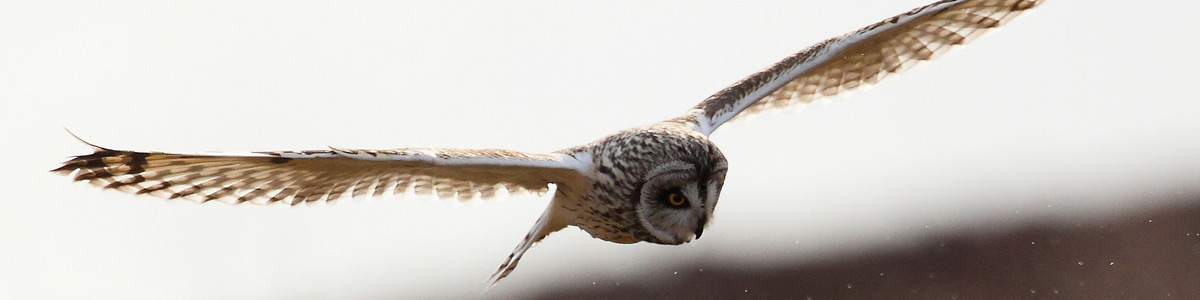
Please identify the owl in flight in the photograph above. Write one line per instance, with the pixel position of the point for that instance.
(657, 183)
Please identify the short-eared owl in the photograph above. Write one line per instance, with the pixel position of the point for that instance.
(657, 183)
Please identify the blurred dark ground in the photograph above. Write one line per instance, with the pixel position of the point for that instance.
(1149, 254)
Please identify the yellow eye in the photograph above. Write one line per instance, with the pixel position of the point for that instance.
(676, 199)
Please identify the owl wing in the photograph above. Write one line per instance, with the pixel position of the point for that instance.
(295, 177)
(860, 58)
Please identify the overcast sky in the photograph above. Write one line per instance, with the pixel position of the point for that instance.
(1079, 109)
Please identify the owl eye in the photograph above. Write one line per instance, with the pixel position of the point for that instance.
(676, 199)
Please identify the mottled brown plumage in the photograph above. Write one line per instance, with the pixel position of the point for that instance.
(860, 58)
(657, 183)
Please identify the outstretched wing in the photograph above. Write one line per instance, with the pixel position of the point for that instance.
(295, 177)
(862, 57)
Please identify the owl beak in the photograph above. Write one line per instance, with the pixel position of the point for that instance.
(700, 227)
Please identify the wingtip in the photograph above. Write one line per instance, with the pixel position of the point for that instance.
(77, 138)
(66, 168)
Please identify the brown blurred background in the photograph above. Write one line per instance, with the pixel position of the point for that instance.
(1152, 254)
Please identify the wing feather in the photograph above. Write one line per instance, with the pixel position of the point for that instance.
(296, 177)
(860, 58)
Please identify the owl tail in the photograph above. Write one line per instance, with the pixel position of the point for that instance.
(552, 220)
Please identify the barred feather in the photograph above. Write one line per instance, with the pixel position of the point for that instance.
(860, 58)
(296, 177)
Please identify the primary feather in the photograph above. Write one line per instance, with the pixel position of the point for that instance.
(859, 58)
(296, 177)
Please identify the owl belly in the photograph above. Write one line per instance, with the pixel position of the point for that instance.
(609, 234)
(605, 224)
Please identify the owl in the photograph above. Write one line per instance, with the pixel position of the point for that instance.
(658, 183)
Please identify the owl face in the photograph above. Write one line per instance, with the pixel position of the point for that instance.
(665, 184)
(678, 198)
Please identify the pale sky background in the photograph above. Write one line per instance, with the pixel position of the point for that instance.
(1079, 109)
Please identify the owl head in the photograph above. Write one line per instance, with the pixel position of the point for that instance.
(678, 198)
(668, 180)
